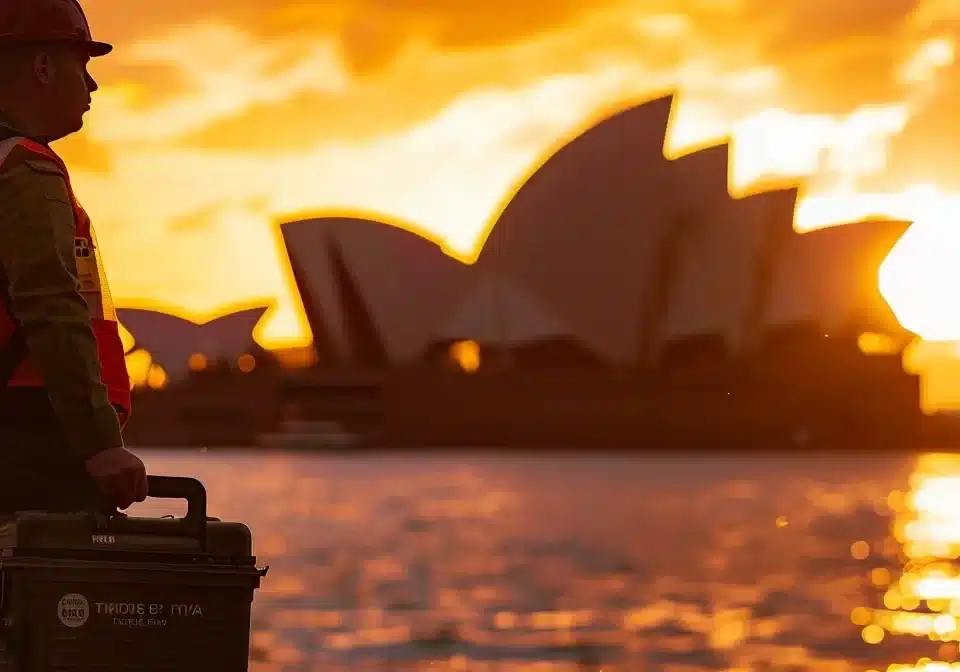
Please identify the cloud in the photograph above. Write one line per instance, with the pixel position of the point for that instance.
(370, 31)
(926, 149)
(256, 94)
(775, 143)
(819, 24)
(799, 55)
(236, 72)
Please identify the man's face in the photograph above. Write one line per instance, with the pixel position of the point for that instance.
(64, 87)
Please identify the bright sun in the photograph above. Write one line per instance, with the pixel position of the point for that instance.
(920, 277)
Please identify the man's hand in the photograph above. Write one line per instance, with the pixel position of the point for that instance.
(120, 475)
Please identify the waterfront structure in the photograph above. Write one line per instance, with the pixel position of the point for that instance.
(373, 293)
(174, 342)
(619, 298)
(830, 276)
(608, 252)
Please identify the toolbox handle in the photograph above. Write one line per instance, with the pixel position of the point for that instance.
(193, 524)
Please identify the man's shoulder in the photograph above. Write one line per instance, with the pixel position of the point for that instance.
(18, 155)
(24, 168)
(34, 188)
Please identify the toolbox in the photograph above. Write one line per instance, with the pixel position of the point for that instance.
(83, 592)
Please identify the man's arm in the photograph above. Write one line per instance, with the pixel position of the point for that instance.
(37, 233)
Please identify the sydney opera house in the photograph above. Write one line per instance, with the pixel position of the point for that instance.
(620, 298)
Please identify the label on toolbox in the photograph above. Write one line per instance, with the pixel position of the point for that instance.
(74, 610)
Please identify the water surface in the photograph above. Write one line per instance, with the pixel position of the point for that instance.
(697, 562)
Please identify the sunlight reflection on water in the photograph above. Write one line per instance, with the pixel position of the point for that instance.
(467, 562)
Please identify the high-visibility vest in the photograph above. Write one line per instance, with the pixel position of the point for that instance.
(21, 371)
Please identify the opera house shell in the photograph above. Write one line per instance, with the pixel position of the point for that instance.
(812, 267)
(372, 292)
(172, 341)
(619, 262)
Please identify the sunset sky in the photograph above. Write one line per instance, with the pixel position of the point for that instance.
(219, 119)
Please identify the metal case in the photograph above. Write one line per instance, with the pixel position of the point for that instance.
(83, 592)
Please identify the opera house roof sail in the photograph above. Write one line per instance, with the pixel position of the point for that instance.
(500, 311)
(608, 243)
(831, 276)
(373, 292)
(583, 233)
(171, 341)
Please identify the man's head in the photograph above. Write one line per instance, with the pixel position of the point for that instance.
(45, 46)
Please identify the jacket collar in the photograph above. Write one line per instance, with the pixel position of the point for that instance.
(9, 129)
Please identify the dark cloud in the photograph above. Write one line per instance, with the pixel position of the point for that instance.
(832, 58)
(838, 79)
(124, 23)
(369, 44)
(446, 23)
(797, 34)
(464, 23)
(371, 30)
(926, 151)
(814, 24)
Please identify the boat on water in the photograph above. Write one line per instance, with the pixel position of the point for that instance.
(309, 435)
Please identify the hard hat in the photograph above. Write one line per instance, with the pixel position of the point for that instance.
(47, 21)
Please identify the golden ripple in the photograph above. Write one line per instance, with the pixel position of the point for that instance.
(925, 600)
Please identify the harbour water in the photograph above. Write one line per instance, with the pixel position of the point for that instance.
(579, 562)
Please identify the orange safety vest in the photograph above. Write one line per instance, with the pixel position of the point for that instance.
(93, 288)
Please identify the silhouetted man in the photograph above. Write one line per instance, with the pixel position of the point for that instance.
(64, 388)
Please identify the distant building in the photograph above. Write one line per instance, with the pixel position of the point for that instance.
(830, 276)
(609, 254)
(173, 341)
(621, 298)
(497, 311)
(727, 259)
(583, 235)
(374, 294)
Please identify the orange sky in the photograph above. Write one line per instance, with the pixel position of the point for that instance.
(219, 119)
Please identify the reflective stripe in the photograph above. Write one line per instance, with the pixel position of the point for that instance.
(91, 268)
(110, 352)
(7, 146)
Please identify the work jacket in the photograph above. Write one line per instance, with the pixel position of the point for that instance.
(60, 347)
